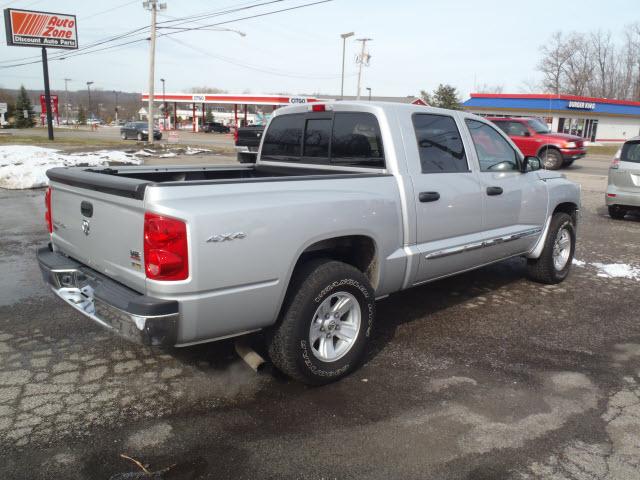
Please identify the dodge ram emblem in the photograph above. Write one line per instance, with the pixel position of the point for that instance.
(86, 228)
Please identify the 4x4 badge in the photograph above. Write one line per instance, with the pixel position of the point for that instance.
(226, 237)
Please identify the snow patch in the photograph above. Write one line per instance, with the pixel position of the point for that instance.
(579, 263)
(617, 270)
(25, 166)
(195, 151)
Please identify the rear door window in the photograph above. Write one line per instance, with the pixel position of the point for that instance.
(439, 143)
(630, 152)
(283, 139)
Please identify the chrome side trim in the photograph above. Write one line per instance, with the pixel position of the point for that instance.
(486, 243)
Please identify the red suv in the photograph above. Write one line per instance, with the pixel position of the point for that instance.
(534, 138)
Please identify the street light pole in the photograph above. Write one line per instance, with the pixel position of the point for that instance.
(66, 99)
(164, 100)
(153, 6)
(344, 48)
(89, 91)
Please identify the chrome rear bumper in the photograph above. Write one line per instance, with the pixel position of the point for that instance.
(138, 318)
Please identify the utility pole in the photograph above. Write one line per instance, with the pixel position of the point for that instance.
(66, 99)
(116, 109)
(164, 108)
(362, 59)
(153, 6)
(47, 93)
(344, 48)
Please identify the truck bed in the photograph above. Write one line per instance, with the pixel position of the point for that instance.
(132, 181)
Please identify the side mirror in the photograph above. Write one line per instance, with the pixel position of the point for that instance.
(526, 133)
(531, 164)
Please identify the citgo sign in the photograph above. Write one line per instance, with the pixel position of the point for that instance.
(27, 28)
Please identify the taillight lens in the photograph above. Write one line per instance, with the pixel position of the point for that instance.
(615, 163)
(48, 216)
(166, 253)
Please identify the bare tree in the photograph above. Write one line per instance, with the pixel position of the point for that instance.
(485, 88)
(604, 57)
(578, 67)
(555, 55)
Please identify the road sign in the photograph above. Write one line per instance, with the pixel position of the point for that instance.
(54, 104)
(27, 28)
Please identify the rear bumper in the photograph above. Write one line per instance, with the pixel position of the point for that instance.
(138, 318)
(615, 196)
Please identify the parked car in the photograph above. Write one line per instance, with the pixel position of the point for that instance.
(139, 131)
(217, 127)
(533, 137)
(247, 140)
(347, 203)
(623, 189)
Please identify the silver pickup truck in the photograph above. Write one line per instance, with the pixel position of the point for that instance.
(347, 203)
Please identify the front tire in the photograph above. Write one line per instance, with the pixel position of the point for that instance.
(616, 212)
(325, 323)
(554, 263)
(551, 159)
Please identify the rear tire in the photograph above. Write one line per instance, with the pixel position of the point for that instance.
(554, 263)
(616, 212)
(551, 159)
(325, 323)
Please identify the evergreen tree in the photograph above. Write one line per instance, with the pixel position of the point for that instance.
(209, 116)
(23, 103)
(446, 96)
(82, 115)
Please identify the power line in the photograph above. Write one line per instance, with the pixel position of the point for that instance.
(247, 6)
(79, 52)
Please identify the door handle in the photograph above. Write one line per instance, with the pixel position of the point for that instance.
(428, 196)
(494, 190)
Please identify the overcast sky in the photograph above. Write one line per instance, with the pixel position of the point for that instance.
(416, 44)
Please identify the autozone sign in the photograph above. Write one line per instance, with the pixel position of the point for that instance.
(27, 28)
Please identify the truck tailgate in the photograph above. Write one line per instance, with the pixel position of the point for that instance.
(101, 230)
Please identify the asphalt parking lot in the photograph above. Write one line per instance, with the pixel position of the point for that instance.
(480, 376)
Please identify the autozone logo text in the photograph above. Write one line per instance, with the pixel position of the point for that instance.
(41, 25)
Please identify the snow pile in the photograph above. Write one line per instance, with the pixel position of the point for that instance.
(617, 270)
(612, 270)
(24, 166)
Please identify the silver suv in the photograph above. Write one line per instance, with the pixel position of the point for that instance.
(623, 191)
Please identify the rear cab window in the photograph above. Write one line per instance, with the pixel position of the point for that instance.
(325, 138)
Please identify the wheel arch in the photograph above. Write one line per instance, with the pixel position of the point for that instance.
(547, 146)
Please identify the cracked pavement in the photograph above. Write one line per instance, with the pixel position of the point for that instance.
(481, 376)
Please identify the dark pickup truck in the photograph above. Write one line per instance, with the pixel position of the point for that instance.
(248, 142)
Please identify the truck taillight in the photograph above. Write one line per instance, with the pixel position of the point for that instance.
(166, 253)
(48, 215)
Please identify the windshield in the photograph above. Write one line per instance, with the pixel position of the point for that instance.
(538, 126)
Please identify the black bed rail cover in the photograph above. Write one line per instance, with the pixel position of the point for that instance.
(100, 181)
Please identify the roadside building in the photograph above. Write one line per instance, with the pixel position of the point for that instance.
(595, 119)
